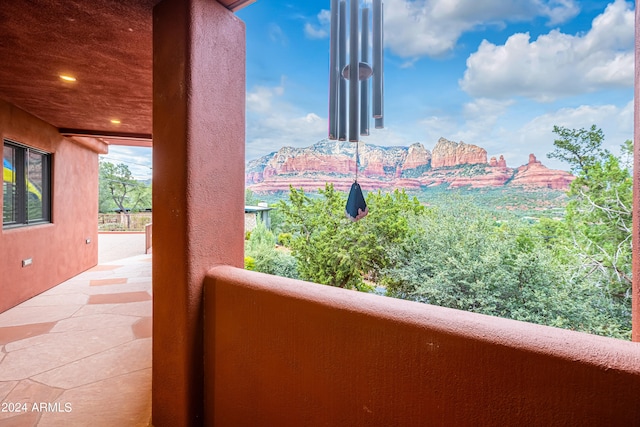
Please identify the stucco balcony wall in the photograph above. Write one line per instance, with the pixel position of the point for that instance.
(290, 353)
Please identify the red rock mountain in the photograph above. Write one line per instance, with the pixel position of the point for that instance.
(449, 153)
(537, 175)
(451, 163)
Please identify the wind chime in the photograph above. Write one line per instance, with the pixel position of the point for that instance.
(357, 73)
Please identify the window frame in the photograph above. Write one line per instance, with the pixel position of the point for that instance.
(21, 213)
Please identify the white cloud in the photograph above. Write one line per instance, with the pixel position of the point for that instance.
(277, 35)
(273, 123)
(314, 33)
(560, 11)
(478, 124)
(505, 128)
(416, 28)
(260, 100)
(485, 110)
(482, 117)
(137, 159)
(438, 126)
(320, 30)
(615, 121)
(557, 64)
(389, 136)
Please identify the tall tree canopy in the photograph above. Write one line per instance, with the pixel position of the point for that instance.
(599, 211)
(119, 188)
(334, 251)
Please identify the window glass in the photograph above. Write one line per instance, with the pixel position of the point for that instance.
(25, 186)
(35, 185)
(8, 186)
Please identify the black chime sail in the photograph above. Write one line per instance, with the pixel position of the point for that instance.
(356, 205)
(356, 208)
(357, 72)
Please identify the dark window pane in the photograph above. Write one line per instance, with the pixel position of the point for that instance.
(35, 181)
(26, 181)
(8, 186)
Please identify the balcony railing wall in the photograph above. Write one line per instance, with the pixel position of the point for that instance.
(287, 352)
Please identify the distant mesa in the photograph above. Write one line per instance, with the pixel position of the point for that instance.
(535, 174)
(452, 164)
(450, 154)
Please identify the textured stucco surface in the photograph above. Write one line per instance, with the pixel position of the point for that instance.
(635, 315)
(58, 250)
(198, 181)
(289, 353)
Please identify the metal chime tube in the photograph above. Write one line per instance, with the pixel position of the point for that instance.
(342, 62)
(364, 84)
(379, 121)
(354, 87)
(334, 72)
(377, 59)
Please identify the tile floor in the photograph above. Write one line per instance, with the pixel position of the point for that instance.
(80, 353)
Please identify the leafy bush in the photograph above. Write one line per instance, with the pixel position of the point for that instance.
(568, 268)
(324, 242)
(284, 265)
(334, 251)
(249, 263)
(285, 239)
(460, 258)
(265, 258)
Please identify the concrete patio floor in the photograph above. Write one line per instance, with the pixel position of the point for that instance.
(79, 354)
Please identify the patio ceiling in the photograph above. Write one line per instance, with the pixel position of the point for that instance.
(106, 45)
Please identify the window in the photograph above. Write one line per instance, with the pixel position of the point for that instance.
(26, 200)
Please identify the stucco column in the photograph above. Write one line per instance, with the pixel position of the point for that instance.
(198, 187)
(635, 292)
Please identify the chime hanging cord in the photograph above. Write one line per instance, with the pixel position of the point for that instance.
(357, 161)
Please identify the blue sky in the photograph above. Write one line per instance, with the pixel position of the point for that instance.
(494, 73)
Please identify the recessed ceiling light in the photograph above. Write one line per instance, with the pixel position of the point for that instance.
(67, 78)
(115, 121)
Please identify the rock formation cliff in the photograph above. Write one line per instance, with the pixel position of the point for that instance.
(501, 163)
(448, 154)
(339, 158)
(535, 174)
(452, 164)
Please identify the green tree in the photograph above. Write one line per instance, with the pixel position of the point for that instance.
(250, 198)
(626, 155)
(261, 254)
(335, 251)
(580, 148)
(118, 187)
(459, 257)
(324, 240)
(387, 224)
(599, 210)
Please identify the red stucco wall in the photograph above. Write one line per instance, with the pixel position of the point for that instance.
(280, 352)
(635, 266)
(198, 187)
(58, 250)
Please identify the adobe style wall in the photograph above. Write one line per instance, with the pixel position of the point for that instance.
(198, 187)
(282, 352)
(59, 250)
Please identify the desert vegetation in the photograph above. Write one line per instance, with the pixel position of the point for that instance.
(124, 203)
(569, 269)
